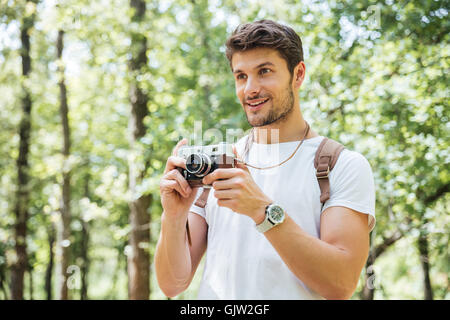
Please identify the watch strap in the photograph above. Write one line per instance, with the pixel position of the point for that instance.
(265, 225)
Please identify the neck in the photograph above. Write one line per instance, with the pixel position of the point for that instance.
(292, 128)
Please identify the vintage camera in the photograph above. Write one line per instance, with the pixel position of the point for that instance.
(203, 160)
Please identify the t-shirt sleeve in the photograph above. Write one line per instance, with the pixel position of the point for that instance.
(196, 209)
(352, 185)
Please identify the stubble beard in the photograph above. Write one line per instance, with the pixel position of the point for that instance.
(276, 114)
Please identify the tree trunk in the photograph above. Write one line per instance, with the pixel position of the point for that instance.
(64, 227)
(30, 288)
(3, 281)
(85, 245)
(49, 270)
(3, 289)
(139, 257)
(424, 260)
(368, 290)
(422, 242)
(19, 266)
(84, 255)
(117, 270)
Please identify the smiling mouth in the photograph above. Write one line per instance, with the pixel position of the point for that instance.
(257, 105)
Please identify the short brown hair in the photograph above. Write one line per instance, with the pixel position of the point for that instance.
(266, 34)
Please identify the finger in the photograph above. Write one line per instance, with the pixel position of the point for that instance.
(171, 186)
(225, 194)
(225, 184)
(242, 166)
(174, 185)
(228, 203)
(175, 162)
(176, 175)
(225, 173)
(178, 146)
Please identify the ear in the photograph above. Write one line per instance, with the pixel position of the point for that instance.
(299, 74)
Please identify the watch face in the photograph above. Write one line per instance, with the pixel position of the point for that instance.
(276, 214)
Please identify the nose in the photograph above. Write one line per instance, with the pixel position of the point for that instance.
(252, 87)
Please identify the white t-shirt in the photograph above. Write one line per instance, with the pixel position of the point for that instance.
(240, 262)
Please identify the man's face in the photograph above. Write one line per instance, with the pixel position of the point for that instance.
(263, 85)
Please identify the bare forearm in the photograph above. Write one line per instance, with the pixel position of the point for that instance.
(321, 266)
(172, 257)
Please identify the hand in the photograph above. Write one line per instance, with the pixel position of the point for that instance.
(176, 194)
(235, 189)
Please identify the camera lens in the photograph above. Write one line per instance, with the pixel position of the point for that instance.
(198, 164)
(194, 163)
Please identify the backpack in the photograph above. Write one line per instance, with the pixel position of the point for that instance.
(324, 161)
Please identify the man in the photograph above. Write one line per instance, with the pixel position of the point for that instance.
(312, 251)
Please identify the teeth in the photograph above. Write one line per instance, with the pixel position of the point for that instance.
(257, 103)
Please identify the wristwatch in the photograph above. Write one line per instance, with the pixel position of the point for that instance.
(274, 216)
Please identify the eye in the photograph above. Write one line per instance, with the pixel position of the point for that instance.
(241, 76)
(264, 70)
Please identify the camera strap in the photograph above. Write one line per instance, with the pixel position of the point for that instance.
(201, 202)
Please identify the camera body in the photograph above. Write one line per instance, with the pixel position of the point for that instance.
(203, 160)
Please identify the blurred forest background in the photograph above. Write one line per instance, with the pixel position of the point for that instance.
(95, 94)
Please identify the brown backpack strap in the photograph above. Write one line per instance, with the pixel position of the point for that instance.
(201, 202)
(326, 156)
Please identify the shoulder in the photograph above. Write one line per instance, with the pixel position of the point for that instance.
(349, 159)
(352, 184)
(352, 170)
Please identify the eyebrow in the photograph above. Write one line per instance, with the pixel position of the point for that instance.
(258, 66)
